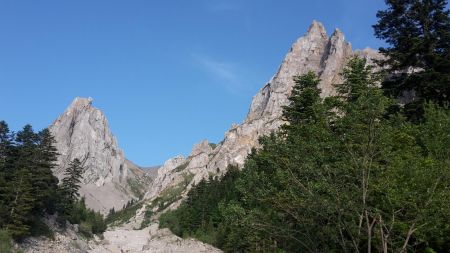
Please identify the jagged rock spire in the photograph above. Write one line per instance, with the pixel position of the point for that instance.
(316, 29)
(82, 132)
(314, 51)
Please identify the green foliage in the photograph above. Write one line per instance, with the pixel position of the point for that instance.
(29, 191)
(199, 214)
(5, 242)
(137, 187)
(71, 182)
(418, 35)
(181, 167)
(90, 221)
(147, 218)
(26, 180)
(171, 194)
(85, 228)
(39, 228)
(343, 175)
(123, 215)
(167, 197)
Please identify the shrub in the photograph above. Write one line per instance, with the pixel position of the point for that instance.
(85, 228)
(5, 242)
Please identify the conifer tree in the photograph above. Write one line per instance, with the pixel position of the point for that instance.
(418, 54)
(305, 95)
(45, 183)
(5, 143)
(5, 174)
(71, 182)
(20, 203)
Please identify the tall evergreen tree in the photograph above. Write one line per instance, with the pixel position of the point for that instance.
(303, 101)
(21, 202)
(25, 156)
(5, 174)
(5, 142)
(71, 182)
(418, 56)
(44, 182)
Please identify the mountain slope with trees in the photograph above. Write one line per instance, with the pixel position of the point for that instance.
(29, 192)
(353, 172)
(342, 175)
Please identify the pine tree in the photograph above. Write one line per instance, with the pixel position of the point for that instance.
(71, 182)
(5, 143)
(19, 192)
(20, 203)
(305, 95)
(418, 33)
(45, 183)
(5, 174)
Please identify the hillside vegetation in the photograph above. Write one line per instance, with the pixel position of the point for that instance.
(342, 175)
(355, 172)
(29, 191)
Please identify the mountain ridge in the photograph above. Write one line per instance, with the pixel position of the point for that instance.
(314, 51)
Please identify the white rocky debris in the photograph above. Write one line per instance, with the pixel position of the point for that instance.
(117, 240)
(148, 240)
(82, 132)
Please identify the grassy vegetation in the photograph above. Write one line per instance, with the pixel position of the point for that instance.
(167, 197)
(147, 217)
(187, 178)
(123, 215)
(172, 194)
(136, 187)
(90, 222)
(181, 167)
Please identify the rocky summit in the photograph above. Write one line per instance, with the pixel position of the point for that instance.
(82, 132)
(315, 51)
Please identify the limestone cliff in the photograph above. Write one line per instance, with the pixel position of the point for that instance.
(82, 132)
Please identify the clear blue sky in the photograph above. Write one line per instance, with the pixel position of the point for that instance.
(166, 73)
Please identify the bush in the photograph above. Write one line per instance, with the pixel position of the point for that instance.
(91, 222)
(147, 218)
(85, 228)
(98, 224)
(39, 228)
(5, 242)
(123, 215)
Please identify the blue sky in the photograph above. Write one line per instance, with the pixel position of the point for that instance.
(166, 73)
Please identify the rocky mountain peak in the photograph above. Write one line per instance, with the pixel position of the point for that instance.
(80, 102)
(315, 51)
(316, 31)
(82, 132)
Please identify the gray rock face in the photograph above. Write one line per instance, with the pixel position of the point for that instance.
(315, 51)
(82, 132)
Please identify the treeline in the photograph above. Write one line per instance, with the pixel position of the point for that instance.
(200, 215)
(356, 172)
(29, 191)
(343, 175)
